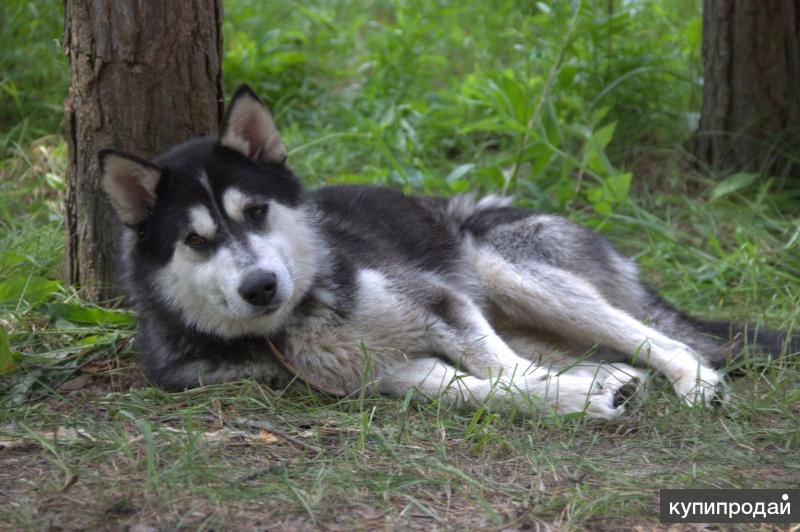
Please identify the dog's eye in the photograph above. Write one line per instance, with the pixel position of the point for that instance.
(255, 213)
(196, 241)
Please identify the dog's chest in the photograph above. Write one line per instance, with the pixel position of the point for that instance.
(385, 326)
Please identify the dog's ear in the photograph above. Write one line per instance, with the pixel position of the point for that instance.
(248, 127)
(131, 184)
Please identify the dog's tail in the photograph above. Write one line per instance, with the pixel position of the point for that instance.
(721, 342)
(457, 212)
(743, 338)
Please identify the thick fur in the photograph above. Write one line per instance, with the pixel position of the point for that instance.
(470, 299)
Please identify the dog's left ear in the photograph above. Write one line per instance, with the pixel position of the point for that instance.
(248, 127)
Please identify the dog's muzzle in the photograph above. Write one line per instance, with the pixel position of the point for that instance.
(258, 288)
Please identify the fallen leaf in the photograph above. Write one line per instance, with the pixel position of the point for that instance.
(68, 483)
(226, 435)
(14, 443)
(94, 368)
(142, 528)
(62, 435)
(67, 435)
(76, 383)
(266, 437)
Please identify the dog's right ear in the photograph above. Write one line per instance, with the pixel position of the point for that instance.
(131, 184)
(248, 128)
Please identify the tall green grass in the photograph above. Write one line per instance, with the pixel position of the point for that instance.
(441, 98)
(33, 70)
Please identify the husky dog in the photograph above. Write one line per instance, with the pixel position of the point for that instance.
(467, 299)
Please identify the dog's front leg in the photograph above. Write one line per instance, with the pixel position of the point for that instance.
(465, 338)
(562, 394)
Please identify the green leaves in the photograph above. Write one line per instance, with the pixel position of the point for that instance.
(612, 192)
(733, 183)
(26, 289)
(600, 138)
(594, 156)
(456, 178)
(8, 358)
(87, 315)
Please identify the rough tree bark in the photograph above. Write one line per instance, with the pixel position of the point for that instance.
(751, 95)
(145, 75)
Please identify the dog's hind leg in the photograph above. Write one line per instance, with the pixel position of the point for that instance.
(543, 296)
(563, 394)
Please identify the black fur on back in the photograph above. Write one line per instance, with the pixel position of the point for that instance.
(485, 220)
(372, 225)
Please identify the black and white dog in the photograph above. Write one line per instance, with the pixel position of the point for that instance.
(472, 300)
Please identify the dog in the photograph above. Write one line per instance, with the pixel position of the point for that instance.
(362, 288)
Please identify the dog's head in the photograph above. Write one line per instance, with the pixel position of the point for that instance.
(219, 232)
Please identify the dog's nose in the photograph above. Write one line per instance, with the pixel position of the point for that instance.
(258, 288)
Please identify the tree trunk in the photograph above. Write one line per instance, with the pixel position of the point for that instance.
(751, 93)
(145, 75)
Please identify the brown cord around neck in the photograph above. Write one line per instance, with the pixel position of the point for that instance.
(281, 358)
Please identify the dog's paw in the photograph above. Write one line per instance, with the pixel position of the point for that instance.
(607, 404)
(623, 382)
(701, 386)
(569, 394)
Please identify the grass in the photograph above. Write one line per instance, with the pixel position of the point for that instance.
(427, 97)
